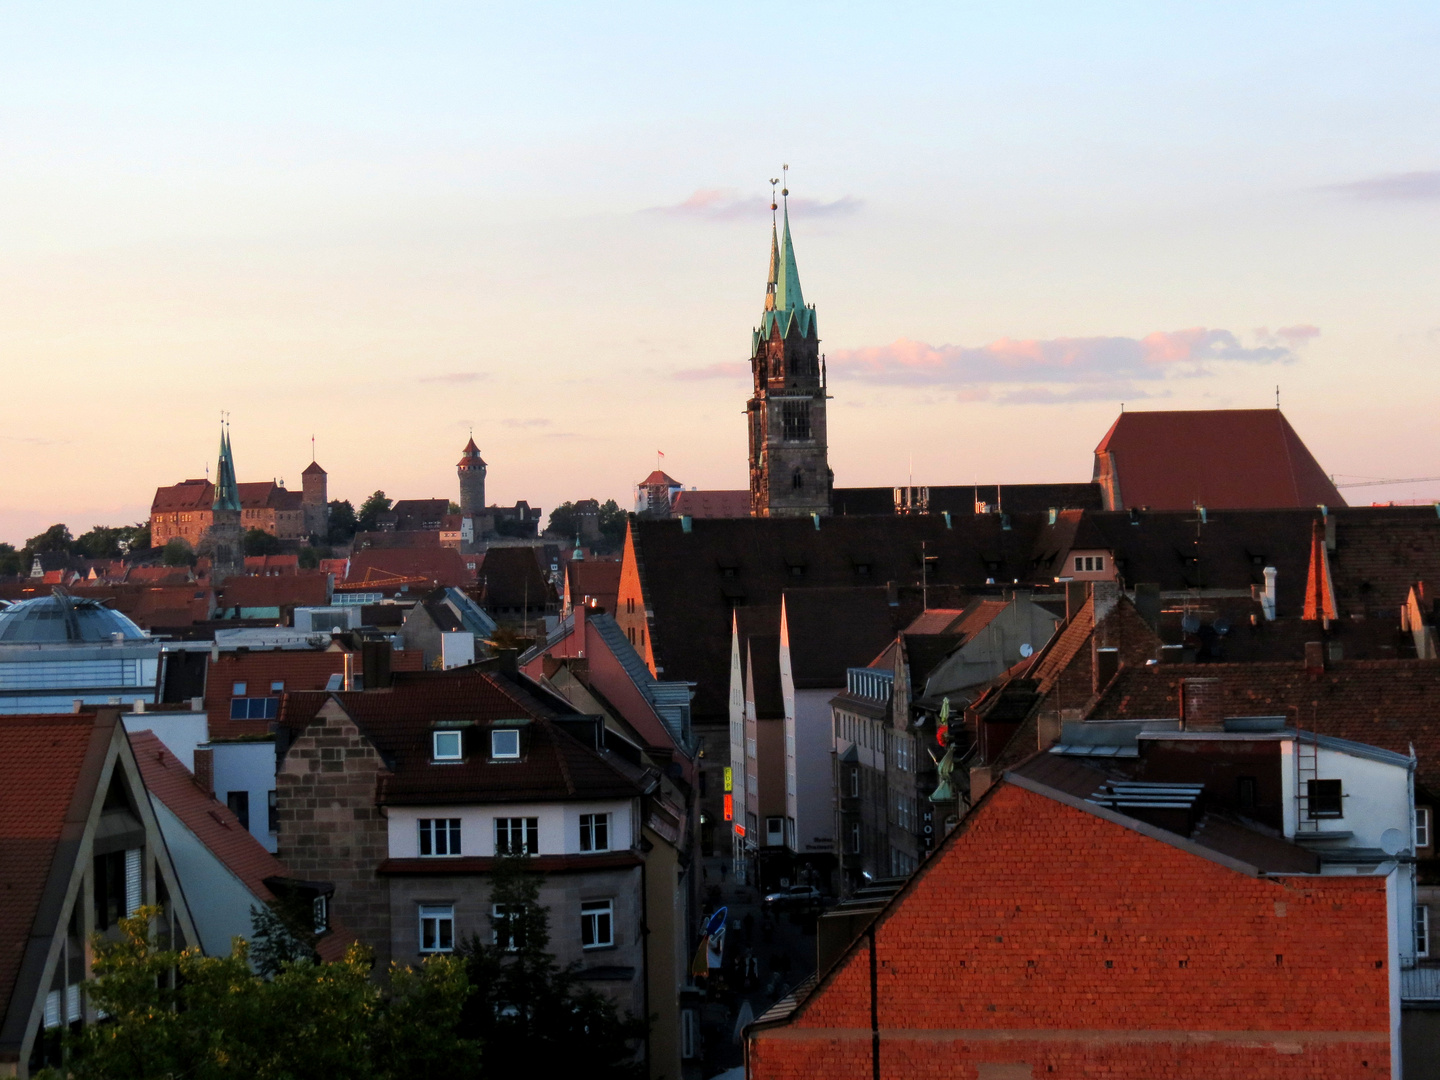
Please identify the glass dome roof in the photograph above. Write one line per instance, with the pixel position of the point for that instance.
(61, 617)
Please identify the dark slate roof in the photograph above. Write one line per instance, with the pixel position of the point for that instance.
(399, 721)
(1380, 551)
(511, 577)
(1221, 458)
(961, 498)
(694, 580)
(831, 630)
(763, 654)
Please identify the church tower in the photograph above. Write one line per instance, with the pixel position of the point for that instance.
(222, 540)
(789, 468)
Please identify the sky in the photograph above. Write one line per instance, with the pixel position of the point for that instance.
(383, 225)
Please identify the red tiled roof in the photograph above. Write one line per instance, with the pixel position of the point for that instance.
(272, 564)
(216, 827)
(711, 504)
(598, 580)
(212, 822)
(1215, 458)
(186, 495)
(158, 575)
(297, 669)
(292, 590)
(312, 469)
(658, 478)
(257, 494)
(41, 758)
(386, 568)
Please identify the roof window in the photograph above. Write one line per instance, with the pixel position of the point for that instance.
(447, 746)
(238, 689)
(505, 744)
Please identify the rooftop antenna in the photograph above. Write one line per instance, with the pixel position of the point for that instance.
(312, 449)
(1277, 395)
(924, 579)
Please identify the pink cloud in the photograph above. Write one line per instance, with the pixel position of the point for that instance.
(723, 369)
(729, 204)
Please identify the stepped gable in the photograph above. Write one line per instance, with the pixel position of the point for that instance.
(399, 721)
(1225, 459)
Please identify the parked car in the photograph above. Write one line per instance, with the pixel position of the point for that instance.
(796, 896)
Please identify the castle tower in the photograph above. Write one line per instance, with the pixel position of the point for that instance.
(222, 541)
(789, 469)
(472, 481)
(314, 499)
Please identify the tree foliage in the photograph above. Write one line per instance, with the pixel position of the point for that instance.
(178, 553)
(565, 522)
(534, 1017)
(180, 1014)
(259, 542)
(342, 521)
(371, 509)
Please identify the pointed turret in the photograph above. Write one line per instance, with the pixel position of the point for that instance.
(787, 287)
(227, 491)
(774, 273)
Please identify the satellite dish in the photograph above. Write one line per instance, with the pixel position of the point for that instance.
(1392, 841)
(1222, 626)
(1027, 649)
(1190, 624)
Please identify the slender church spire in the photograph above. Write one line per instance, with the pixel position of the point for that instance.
(227, 491)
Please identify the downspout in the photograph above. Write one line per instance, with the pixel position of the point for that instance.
(874, 1011)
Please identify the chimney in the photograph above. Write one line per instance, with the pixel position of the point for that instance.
(1314, 658)
(197, 704)
(138, 705)
(1201, 705)
(347, 680)
(375, 664)
(1106, 664)
(1106, 595)
(1267, 602)
(77, 705)
(205, 769)
(1076, 593)
(507, 660)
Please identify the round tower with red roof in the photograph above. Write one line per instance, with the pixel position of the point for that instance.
(472, 481)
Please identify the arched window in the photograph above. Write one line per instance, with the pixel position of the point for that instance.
(797, 481)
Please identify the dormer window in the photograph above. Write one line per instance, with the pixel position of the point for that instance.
(447, 746)
(505, 744)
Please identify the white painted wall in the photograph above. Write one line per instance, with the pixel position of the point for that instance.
(180, 732)
(248, 766)
(219, 901)
(559, 825)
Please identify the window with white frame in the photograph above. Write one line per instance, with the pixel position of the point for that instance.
(1422, 930)
(594, 832)
(775, 831)
(439, 836)
(597, 924)
(505, 744)
(854, 781)
(437, 928)
(1422, 826)
(505, 926)
(447, 746)
(517, 836)
(854, 838)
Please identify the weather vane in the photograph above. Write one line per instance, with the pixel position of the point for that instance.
(773, 204)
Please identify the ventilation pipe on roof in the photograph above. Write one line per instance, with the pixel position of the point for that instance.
(347, 679)
(1267, 602)
(947, 518)
(816, 519)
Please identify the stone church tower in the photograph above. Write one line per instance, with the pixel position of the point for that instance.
(222, 541)
(315, 501)
(789, 469)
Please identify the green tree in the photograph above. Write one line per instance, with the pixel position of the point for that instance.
(259, 542)
(534, 1017)
(310, 556)
(180, 1014)
(107, 542)
(562, 521)
(342, 521)
(55, 538)
(452, 507)
(9, 561)
(613, 522)
(178, 553)
(370, 509)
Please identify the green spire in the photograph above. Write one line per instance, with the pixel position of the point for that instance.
(227, 491)
(787, 286)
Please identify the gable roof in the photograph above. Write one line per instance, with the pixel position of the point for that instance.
(399, 721)
(711, 504)
(1221, 458)
(833, 629)
(43, 803)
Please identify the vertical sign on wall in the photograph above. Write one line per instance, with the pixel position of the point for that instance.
(729, 779)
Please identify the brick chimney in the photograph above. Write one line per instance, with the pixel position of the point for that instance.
(205, 769)
(1106, 595)
(1106, 664)
(1314, 658)
(1201, 705)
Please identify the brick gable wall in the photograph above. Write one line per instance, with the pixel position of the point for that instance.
(1061, 944)
(331, 829)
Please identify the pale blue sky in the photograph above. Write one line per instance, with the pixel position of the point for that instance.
(381, 223)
